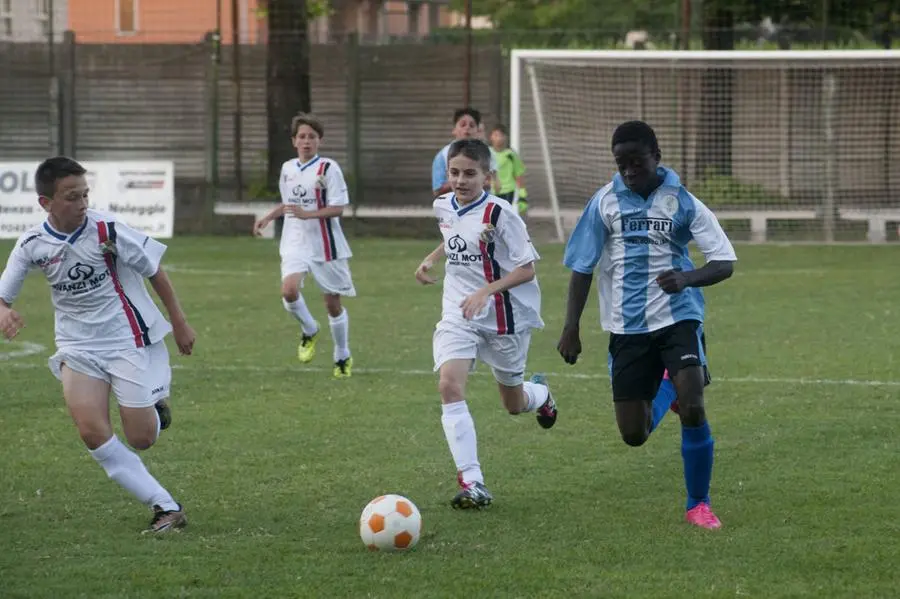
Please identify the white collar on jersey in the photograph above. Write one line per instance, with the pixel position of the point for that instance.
(305, 165)
(67, 237)
(462, 210)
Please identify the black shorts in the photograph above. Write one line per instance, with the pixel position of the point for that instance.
(637, 362)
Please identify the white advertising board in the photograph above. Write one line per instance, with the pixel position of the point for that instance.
(140, 194)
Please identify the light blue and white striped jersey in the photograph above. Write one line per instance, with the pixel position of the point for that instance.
(635, 240)
(440, 165)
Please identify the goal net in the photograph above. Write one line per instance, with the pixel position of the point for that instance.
(788, 146)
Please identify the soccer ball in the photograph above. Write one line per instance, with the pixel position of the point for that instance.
(390, 523)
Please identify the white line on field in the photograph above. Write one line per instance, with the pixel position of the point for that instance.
(27, 349)
(753, 380)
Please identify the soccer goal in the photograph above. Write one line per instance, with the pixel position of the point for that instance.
(789, 145)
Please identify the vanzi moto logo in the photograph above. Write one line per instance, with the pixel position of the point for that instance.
(81, 272)
(456, 244)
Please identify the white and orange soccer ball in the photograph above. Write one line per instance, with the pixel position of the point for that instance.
(390, 523)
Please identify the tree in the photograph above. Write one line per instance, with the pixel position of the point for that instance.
(576, 16)
(287, 77)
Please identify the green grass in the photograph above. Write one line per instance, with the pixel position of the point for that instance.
(274, 463)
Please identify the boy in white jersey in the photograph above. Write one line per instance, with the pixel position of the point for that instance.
(313, 196)
(637, 229)
(466, 125)
(109, 333)
(491, 303)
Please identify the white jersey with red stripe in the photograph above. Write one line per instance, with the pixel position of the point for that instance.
(313, 185)
(96, 276)
(484, 241)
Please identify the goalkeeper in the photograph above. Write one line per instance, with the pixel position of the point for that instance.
(509, 181)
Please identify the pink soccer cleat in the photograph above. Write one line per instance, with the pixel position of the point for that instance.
(700, 515)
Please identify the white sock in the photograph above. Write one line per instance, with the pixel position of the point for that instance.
(126, 468)
(535, 395)
(340, 333)
(299, 310)
(459, 428)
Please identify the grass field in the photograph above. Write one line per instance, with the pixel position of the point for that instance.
(275, 462)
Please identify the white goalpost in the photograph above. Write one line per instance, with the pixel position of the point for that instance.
(790, 145)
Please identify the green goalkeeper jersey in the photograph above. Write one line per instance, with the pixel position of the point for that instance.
(509, 167)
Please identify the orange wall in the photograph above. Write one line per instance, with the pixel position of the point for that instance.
(158, 21)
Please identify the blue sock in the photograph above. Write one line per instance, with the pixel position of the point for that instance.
(697, 452)
(664, 398)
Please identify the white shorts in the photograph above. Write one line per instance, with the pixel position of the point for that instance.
(505, 354)
(332, 277)
(139, 377)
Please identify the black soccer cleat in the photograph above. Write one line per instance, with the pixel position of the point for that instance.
(165, 521)
(473, 496)
(546, 414)
(165, 414)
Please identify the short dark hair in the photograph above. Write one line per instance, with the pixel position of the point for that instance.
(474, 149)
(52, 170)
(461, 112)
(309, 120)
(636, 131)
(502, 129)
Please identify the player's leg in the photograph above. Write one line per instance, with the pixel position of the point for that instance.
(454, 354)
(293, 271)
(636, 370)
(86, 392)
(507, 355)
(665, 400)
(140, 379)
(683, 354)
(335, 281)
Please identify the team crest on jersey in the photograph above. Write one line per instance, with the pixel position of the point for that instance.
(487, 235)
(670, 205)
(108, 248)
(321, 182)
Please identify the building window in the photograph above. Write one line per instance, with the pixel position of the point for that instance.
(126, 16)
(42, 15)
(6, 19)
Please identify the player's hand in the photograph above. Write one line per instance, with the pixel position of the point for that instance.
(184, 337)
(422, 275)
(259, 226)
(672, 281)
(10, 322)
(569, 346)
(474, 304)
(297, 211)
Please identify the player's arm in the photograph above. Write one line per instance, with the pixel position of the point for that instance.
(439, 183)
(583, 251)
(716, 248)
(337, 197)
(475, 303)
(276, 212)
(181, 330)
(143, 255)
(326, 212)
(428, 263)
(11, 282)
(519, 173)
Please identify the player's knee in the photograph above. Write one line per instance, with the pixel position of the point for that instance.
(333, 305)
(451, 391)
(94, 437)
(635, 438)
(692, 412)
(290, 294)
(141, 441)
